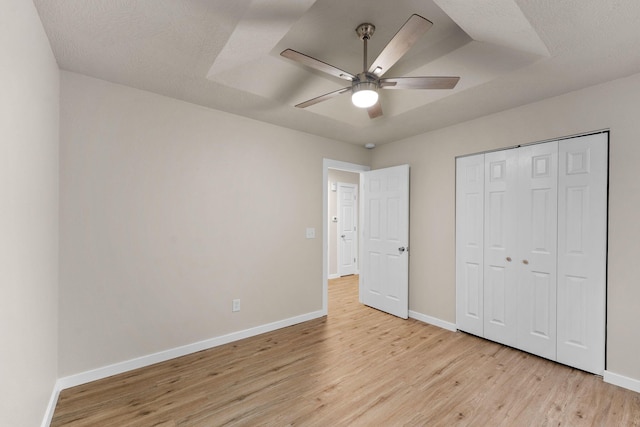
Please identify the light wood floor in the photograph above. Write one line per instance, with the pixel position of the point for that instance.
(357, 367)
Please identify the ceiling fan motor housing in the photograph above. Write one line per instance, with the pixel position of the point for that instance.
(366, 77)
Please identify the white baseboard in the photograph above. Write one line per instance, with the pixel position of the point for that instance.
(622, 381)
(51, 407)
(432, 321)
(140, 362)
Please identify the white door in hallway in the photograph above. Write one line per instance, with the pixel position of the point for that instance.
(384, 277)
(347, 229)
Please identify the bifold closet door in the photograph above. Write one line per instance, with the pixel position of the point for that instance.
(531, 240)
(469, 243)
(537, 217)
(500, 246)
(582, 244)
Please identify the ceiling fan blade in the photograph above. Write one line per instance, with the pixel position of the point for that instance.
(324, 97)
(375, 111)
(316, 64)
(410, 32)
(419, 82)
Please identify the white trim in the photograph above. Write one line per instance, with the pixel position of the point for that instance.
(333, 276)
(140, 362)
(326, 165)
(51, 407)
(622, 381)
(433, 321)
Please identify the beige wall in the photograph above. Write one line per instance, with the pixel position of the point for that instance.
(169, 211)
(29, 99)
(612, 105)
(336, 176)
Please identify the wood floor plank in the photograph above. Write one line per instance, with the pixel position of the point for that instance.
(356, 367)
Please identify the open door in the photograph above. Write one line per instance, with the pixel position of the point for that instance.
(384, 278)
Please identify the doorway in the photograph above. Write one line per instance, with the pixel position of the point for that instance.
(327, 166)
(343, 223)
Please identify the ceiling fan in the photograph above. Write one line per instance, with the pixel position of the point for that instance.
(365, 85)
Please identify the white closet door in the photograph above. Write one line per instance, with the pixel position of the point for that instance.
(469, 243)
(582, 234)
(537, 248)
(500, 263)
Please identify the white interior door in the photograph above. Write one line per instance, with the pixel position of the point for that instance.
(582, 246)
(500, 246)
(537, 243)
(470, 243)
(384, 276)
(347, 228)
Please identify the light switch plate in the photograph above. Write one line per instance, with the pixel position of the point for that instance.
(311, 233)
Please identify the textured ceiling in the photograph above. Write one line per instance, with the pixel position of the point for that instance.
(224, 54)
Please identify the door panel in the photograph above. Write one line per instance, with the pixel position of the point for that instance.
(497, 306)
(582, 213)
(540, 308)
(500, 246)
(470, 243)
(385, 240)
(537, 241)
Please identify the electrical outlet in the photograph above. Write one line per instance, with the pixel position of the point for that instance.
(235, 305)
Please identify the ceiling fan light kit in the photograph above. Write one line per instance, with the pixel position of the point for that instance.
(365, 94)
(365, 85)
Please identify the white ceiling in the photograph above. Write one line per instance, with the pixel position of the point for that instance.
(224, 54)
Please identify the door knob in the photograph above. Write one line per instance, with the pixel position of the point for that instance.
(342, 236)
(402, 249)
(508, 259)
(524, 261)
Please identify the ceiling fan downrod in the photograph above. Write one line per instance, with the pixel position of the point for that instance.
(365, 31)
(364, 88)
